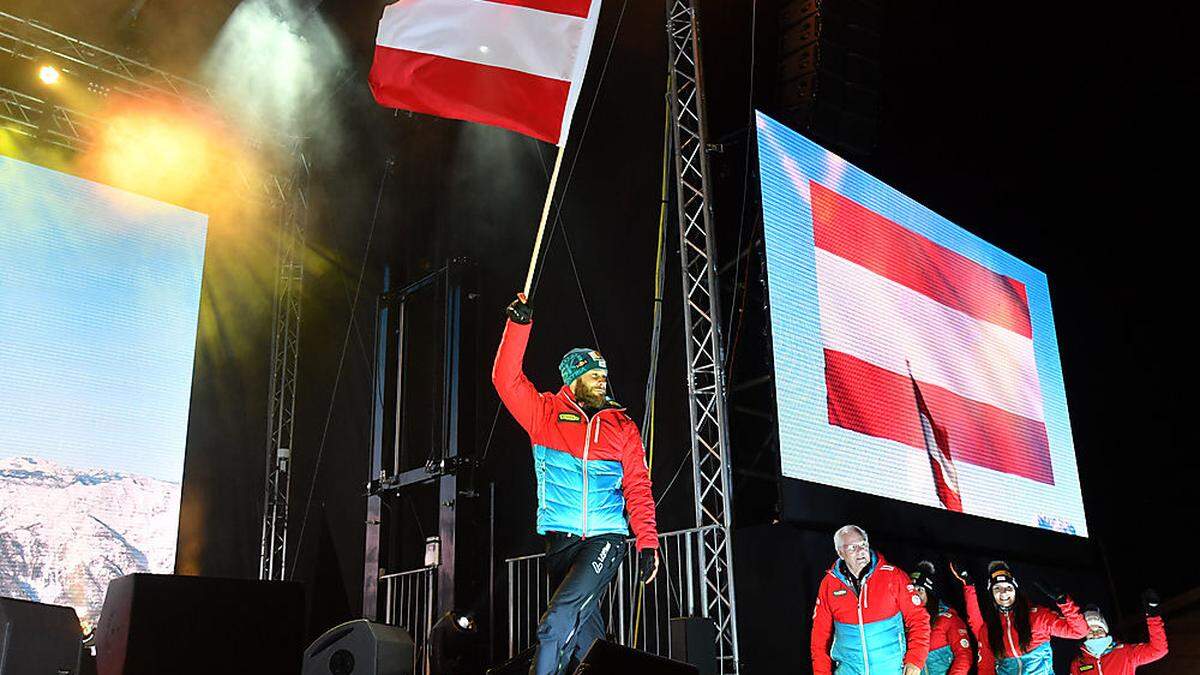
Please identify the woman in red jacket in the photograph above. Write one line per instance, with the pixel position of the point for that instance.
(1014, 639)
(1099, 655)
(950, 650)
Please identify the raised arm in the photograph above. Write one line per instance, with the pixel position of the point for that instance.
(1070, 625)
(516, 391)
(1156, 648)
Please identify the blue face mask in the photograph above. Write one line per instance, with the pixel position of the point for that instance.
(1097, 645)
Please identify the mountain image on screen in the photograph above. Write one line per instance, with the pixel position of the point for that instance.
(66, 532)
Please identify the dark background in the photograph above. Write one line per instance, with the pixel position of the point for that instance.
(1062, 133)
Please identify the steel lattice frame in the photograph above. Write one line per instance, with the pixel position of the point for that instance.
(285, 352)
(702, 316)
(74, 130)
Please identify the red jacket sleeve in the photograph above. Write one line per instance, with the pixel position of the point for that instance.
(1071, 625)
(1156, 648)
(916, 620)
(635, 483)
(822, 631)
(1075, 663)
(975, 619)
(963, 656)
(516, 391)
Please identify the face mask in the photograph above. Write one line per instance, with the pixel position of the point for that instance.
(1097, 645)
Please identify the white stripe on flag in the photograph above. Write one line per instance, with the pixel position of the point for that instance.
(491, 34)
(891, 326)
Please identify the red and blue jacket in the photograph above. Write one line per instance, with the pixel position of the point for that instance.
(950, 650)
(590, 470)
(877, 630)
(1044, 623)
(1123, 659)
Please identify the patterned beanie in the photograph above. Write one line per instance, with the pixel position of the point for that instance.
(578, 361)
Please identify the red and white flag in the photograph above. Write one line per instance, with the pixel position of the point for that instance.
(937, 446)
(890, 297)
(516, 64)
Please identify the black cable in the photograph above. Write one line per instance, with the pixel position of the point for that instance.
(745, 187)
(558, 211)
(387, 170)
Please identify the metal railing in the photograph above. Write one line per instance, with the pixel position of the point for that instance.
(409, 599)
(640, 622)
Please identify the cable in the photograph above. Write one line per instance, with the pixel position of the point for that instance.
(745, 182)
(387, 170)
(582, 136)
(558, 211)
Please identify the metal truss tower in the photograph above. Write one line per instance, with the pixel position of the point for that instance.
(74, 130)
(285, 356)
(702, 320)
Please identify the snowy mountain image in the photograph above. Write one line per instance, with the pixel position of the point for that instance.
(66, 532)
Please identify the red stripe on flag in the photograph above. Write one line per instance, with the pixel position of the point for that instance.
(572, 7)
(850, 230)
(436, 85)
(878, 402)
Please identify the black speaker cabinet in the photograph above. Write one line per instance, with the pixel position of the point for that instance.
(360, 648)
(694, 640)
(153, 624)
(606, 658)
(37, 639)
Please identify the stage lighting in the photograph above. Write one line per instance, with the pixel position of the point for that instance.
(49, 75)
(455, 644)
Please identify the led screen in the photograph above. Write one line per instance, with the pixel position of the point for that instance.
(99, 296)
(913, 360)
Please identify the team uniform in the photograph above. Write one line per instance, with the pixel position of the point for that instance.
(874, 630)
(591, 470)
(1044, 623)
(950, 650)
(1124, 659)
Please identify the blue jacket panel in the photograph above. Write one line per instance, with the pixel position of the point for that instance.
(881, 642)
(561, 503)
(938, 662)
(1039, 661)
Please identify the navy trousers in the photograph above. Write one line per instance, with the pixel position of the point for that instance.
(580, 570)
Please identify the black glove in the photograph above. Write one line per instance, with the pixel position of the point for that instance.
(961, 573)
(520, 311)
(1051, 592)
(1150, 602)
(647, 564)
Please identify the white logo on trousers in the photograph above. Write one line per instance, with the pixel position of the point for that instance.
(598, 564)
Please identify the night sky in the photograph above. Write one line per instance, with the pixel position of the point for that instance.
(1061, 132)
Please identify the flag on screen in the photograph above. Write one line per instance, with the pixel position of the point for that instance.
(516, 64)
(937, 446)
(890, 297)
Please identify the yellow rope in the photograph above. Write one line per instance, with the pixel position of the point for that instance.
(662, 225)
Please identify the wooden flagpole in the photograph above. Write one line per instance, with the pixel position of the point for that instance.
(537, 243)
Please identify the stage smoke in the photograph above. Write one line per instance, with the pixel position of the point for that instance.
(274, 67)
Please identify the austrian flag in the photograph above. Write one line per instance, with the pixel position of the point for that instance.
(926, 347)
(515, 64)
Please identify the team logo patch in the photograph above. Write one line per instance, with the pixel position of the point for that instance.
(569, 417)
(964, 643)
(838, 594)
(916, 600)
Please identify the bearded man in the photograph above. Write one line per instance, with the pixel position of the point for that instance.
(591, 470)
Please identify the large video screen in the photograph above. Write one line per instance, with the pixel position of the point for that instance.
(913, 360)
(99, 298)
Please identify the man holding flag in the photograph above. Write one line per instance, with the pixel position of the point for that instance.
(591, 470)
